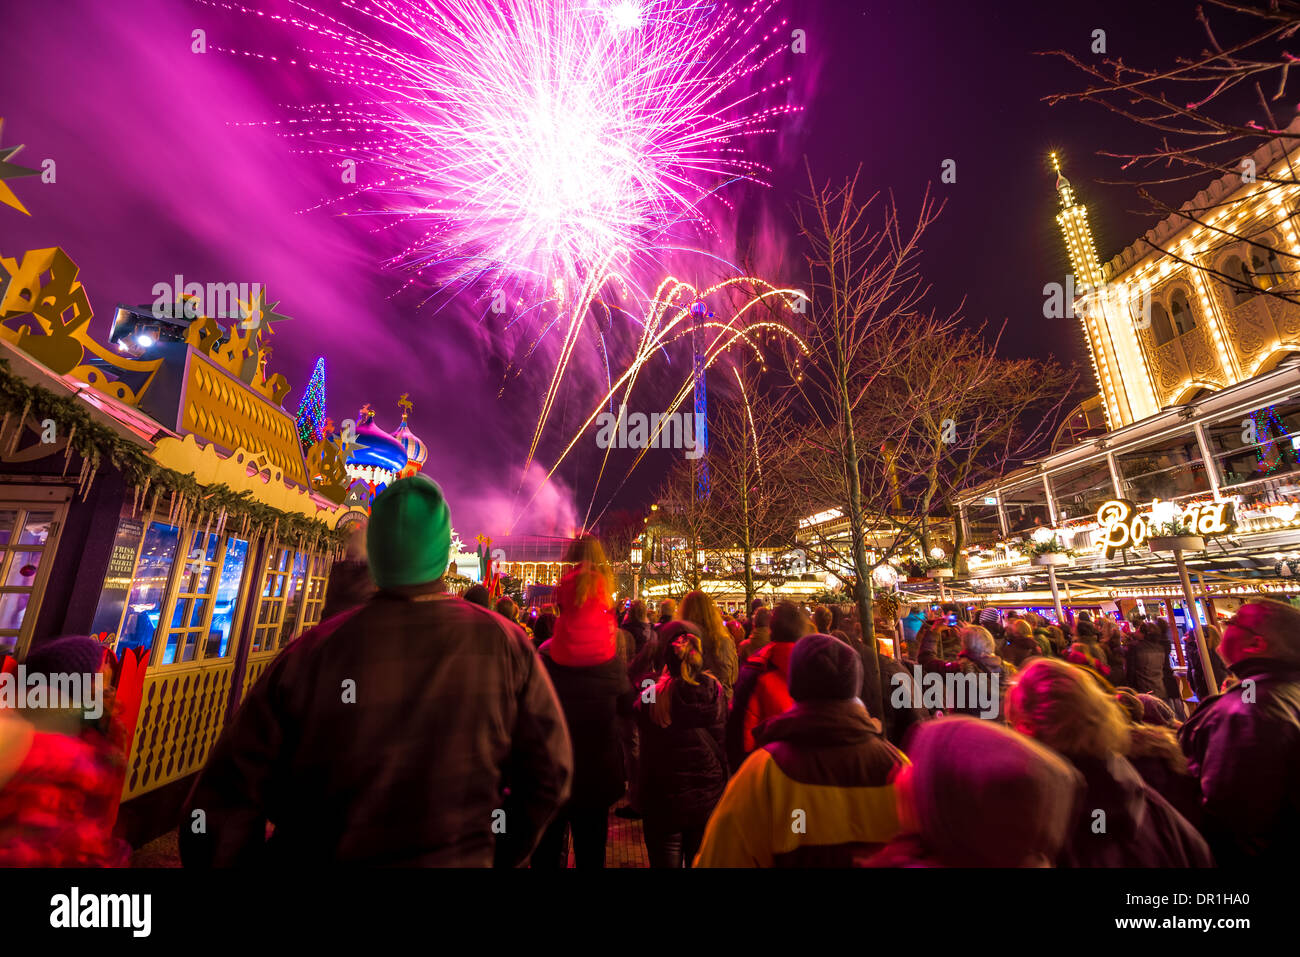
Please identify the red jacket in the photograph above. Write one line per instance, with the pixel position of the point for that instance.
(58, 798)
(772, 691)
(584, 634)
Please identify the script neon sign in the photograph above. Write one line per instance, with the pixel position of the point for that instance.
(1122, 526)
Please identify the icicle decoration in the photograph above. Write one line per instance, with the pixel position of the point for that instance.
(67, 451)
(18, 428)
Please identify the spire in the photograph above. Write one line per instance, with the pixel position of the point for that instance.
(1062, 184)
(1073, 220)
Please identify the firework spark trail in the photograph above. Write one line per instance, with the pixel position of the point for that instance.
(660, 331)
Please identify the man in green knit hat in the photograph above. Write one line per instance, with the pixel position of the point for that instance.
(415, 729)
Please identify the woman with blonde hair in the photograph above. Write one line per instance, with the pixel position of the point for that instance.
(720, 658)
(1121, 820)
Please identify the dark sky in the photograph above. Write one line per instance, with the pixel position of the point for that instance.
(158, 173)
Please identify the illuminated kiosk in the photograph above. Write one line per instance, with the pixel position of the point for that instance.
(156, 496)
(1198, 408)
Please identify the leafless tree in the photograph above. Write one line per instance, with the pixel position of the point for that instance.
(865, 318)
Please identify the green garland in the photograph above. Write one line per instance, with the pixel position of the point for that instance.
(95, 442)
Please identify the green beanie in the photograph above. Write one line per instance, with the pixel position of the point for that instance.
(409, 536)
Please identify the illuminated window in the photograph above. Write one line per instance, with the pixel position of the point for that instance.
(281, 599)
(314, 599)
(227, 599)
(27, 539)
(148, 587)
(194, 596)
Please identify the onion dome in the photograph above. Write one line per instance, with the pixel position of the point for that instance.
(416, 451)
(377, 457)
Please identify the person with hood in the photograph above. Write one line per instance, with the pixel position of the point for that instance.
(977, 794)
(912, 624)
(683, 760)
(762, 690)
(591, 681)
(62, 768)
(1243, 744)
(819, 790)
(719, 650)
(1122, 820)
(396, 734)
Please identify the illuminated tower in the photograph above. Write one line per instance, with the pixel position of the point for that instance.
(700, 313)
(1109, 313)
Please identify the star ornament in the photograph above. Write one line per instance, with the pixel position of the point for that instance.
(258, 314)
(10, 170)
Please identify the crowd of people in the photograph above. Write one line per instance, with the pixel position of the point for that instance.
(416, 727)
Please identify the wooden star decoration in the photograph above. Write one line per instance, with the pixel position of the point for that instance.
(10, 170)
(258, 313)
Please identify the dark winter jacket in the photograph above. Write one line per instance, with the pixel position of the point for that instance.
(387, 736)
(683, 767)
(641, 632)
(1154, 752)
(910, 712)
(1196, 673)
(593, 697)
(349, 586)
(1244, 747)
(1147, 664)
(1121, 821)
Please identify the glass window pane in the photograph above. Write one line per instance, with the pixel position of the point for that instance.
(205, 581)
(223, 611)
(149, 585)
(169, 653)
(1168, 469)
(22, 569)
(36, 529)
(191, 643)
(12, 607)
(196, 616)
(178, 613)
(7, 519)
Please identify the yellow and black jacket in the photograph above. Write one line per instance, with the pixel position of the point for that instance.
(818, 792)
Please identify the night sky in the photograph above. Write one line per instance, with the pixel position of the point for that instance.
(162, 168)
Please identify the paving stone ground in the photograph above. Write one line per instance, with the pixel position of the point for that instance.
(626, 848)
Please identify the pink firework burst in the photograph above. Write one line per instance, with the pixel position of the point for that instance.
(542, 141)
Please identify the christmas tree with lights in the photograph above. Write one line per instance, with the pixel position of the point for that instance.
(311, 410)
